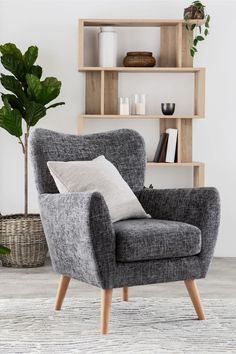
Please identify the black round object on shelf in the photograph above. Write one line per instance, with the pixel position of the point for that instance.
(168, 108)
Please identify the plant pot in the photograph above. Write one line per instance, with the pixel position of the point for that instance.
(26, 240)
(193, 13)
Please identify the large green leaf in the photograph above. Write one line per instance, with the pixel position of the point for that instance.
(4, 250)
(10, 48)
(34, 87)
(11, 120)
(14, 65)
(30, 57)
(55, 105)
(37, 71)
(14, 102)
(10, 83)
(34, 112)
(42, 91)
(51, 89)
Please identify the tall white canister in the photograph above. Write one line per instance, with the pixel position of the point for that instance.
(107, 40)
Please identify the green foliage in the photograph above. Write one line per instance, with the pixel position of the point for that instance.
(30, 57)
(200, 32)
(42, 91)
(10, 119)
(4, 250)
(34, 112)
(29, 95)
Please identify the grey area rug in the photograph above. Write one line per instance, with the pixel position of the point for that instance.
(142, 325)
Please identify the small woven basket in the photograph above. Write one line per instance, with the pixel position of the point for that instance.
(139, 59)
(26, 240)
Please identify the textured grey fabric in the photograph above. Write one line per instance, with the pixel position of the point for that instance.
(148, 239)
(81, 237)
(195, 206)
(124, 148)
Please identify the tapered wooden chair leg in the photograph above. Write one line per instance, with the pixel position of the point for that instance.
(105, 309)
(61, 292)
(125, 294)
(195, 297)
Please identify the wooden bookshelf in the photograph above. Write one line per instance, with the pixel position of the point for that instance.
(101, 85)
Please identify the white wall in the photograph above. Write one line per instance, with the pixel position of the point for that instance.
(52, 26)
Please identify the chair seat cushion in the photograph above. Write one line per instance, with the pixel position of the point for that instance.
(148, 239)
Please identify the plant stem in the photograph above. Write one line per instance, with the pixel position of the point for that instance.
(26, 170)
(22, 145)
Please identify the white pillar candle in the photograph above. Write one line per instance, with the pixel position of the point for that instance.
(124, 106)
(140, 108)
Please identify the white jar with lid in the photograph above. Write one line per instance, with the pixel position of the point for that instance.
(107, 41)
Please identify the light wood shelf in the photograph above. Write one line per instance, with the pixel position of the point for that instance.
(130, 116)
(101, 87)
(175, 164)
(156, 69)
(136, 22)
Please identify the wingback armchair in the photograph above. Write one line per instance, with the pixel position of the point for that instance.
(176, 244)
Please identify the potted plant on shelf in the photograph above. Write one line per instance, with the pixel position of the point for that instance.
(197, 31)
(22, 108)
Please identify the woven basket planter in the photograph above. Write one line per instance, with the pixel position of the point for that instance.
(26, 240)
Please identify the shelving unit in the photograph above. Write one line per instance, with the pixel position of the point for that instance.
(101, 91)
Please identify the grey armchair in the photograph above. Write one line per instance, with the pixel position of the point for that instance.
(177, 244)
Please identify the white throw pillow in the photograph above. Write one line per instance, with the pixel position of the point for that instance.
(98, 175)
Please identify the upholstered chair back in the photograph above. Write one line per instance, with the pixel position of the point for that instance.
(125, 148)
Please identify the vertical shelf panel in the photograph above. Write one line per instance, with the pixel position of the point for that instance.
(168, 46)
(93, 93)
(187, 40)
(81, 43)
(111, 93)
(179, 42)
(199, 176)
(186, 140)
(199, 92)
(102, 99)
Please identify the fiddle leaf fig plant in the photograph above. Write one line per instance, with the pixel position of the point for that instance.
(27, 98)
(197, 31)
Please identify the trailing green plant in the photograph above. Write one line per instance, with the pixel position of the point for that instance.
(197, 31)
(28, 100)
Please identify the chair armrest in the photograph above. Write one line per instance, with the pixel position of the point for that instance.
(80, 236)
(196, 206)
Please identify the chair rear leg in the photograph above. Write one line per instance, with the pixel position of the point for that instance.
(195, 297)
(106, 300)
(61, 292)
(125, 294)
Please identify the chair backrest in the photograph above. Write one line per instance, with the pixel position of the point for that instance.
(125, 148)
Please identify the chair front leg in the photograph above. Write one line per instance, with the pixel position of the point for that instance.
(195, 297)
(61, 292)
(125, 294)
(106, 300)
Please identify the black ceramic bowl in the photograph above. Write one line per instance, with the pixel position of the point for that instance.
(168, 108)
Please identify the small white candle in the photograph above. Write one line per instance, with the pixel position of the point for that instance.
(124, 106)
(140, 108)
